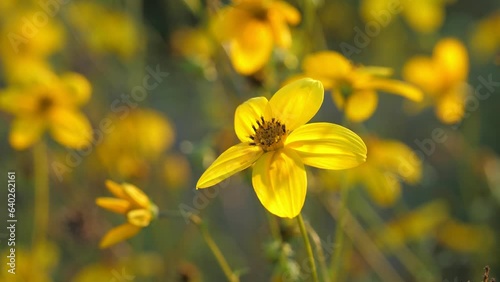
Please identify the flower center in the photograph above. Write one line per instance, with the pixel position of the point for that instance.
(44, 104)
(270, 135)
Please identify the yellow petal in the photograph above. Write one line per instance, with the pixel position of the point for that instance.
(397, 158)
(361, 105)
(246, 115)
(280, 181)
(279, 27)
(115, 189)
(328, 146)
(71, 128)
(290, 14)
(113, 204)
(464, 237)
(422, 72)
(118, 234)
(251, 49)
(139, 217)
(136, 196)
(384, 188)
(451, 58)
(296, 103)
(25, 132)
(450, 107)
(424, 16)
(77, 86)
(233, 160)
(229, 22)
(396, 87)
(327, 64)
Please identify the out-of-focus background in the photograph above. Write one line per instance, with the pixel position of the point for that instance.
(158, 82)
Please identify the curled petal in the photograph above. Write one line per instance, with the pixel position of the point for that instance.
(280, 182)
(296, 103)
(139, 217)
(396, 87)
(115, 189)
(113, 204)
(136, 196)
(233, 160)
(328, 146)
(246, 115)
(118, 234)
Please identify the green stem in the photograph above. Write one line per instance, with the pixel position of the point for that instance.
(339, 232)
(303, 231)
(230, 275)
(41, 216)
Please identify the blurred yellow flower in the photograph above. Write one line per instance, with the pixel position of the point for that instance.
(105, 30)
(485, 39)
(277, 142)
(48, 104)
(443, 78)
(414, 225)
(252, 28)
(133, 140)
(424, 16)
(389, 163)
(465, 237)
(354, 88)
(23, 34)
(131, 202)
(35, 265)
(176, 171)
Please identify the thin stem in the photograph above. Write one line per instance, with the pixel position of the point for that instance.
(230, 275)
(303, 231)
(339, 233)
(41, 216)
(319, 250)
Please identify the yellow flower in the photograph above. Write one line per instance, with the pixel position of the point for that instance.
(424, 16)
(131, 202)
(48, 104)
(104, 30)
(135, 139)
(464, 237)
(276, 140)
(390, 162)
(354, 88)
(414, 225)
(443, 78)
(252, 28)
(485, 40)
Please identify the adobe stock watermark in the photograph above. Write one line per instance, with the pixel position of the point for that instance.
(201, 200)
(363, 38)
(483, 90)
(31, 25)
(121, 106)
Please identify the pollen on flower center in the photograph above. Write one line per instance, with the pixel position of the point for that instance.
(270, 135)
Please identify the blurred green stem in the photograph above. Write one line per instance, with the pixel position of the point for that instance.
(41, 216)
(339, 233)
(231, 276)
(303, 231)
(319, 250)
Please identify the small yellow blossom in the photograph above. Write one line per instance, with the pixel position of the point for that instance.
(277, 142)
(134, 140)
(252, 28)
(390, 163)
(354, 88)
(464, 237)
(443, 78)
(105, 30)
(424, 16)
(485, 39)
(131, 202)
(50, 104)
(414, 225)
